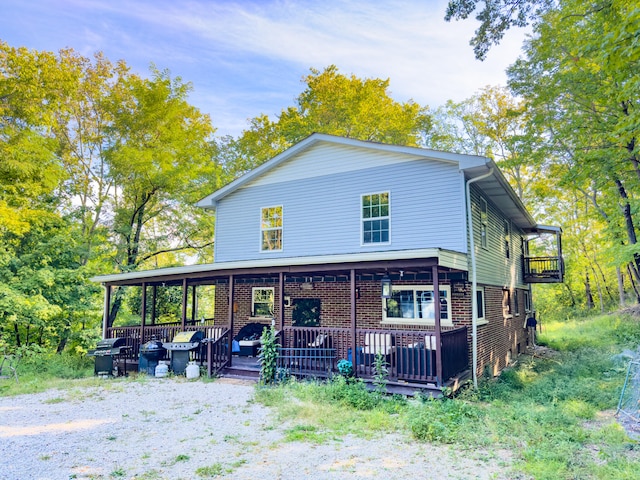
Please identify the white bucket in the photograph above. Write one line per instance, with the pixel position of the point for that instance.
(193, 370)
(162, 369)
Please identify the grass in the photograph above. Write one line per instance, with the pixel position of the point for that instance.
(555, 415)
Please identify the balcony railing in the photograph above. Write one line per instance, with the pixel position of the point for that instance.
(543, 269)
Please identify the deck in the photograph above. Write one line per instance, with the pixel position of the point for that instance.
(411, 356)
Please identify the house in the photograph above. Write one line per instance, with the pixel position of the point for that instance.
(343, 244)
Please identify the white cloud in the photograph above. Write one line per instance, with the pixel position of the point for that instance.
(247, 58)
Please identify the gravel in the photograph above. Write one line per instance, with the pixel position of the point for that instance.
(172, 428)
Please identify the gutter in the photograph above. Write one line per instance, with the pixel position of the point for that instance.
(474, 282)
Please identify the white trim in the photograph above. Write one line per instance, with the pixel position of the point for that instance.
(362, 219)
(253, 302)
(481, 318)
(417, 320)
(446, 259)
(281, 228)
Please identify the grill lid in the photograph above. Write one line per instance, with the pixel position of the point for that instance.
(152, 345)
(188, 337)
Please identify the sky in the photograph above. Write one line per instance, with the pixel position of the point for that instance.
(245, 58)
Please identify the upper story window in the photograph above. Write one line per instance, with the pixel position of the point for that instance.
(271, 229)
(262, 301)
(484, 223)
(507, 239)
(375, 218)
(414, 305)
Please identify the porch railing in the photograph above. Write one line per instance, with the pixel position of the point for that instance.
(409, 355)
(217, 350)
(163, 333)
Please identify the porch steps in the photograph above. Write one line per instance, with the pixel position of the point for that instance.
(239, 372)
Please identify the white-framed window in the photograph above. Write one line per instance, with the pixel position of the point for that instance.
(271, 220)
(480, 304)
(484, 223)
(262, 301)
(506, 303)
(376, 218)
(413, 304)
(527, 301)
(516, 303)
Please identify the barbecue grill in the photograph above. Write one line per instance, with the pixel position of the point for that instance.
(183, 344)
(104, 353)
(150, 353)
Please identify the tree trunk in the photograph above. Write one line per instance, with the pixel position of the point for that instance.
(16, 330)
(620, 286)
(633, 273)
(587, 291)
(628, 218)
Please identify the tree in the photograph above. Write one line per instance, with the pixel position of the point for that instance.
(577, 90)
(331, 103)
(496, 18)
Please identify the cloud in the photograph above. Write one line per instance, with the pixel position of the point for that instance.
(247, 57)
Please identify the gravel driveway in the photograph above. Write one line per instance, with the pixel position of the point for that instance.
(170, 428)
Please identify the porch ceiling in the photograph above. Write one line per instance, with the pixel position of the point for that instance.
(406, 260)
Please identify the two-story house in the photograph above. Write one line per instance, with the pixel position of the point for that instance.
(355, 250)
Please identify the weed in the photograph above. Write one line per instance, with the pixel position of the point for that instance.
(211, 471)
(305, 433)
(118, 472)
(55, 400)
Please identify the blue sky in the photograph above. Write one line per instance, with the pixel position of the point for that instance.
(245, 58)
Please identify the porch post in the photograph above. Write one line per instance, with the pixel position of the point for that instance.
(230, 320)
(185, 299)
(143, 311)
(354, 340)
(194, 303)
(281, 309)
(154, 300)
(107, 309)
(436, 315)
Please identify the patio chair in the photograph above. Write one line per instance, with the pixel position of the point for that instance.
(376, 343)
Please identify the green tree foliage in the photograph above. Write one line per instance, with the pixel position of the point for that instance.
(99, 169)
(495, 18)
(574, 79)
(331, 103)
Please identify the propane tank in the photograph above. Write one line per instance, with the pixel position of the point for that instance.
(162, 369)
(193, 370)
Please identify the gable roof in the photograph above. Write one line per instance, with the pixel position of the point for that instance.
(495, 186)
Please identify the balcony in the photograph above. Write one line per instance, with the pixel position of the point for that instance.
(543, 269)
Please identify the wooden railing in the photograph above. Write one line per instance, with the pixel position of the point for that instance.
(543, 269)
(408, 355)
(163, 333)
(217, 350)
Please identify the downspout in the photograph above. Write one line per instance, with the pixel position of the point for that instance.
(474, 282)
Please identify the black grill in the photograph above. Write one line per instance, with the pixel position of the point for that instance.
(104, 353)
(183, 344)
(150, 353)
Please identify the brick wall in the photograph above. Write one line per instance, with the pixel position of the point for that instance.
(500, 340)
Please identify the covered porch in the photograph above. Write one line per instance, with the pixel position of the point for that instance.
(351, 326)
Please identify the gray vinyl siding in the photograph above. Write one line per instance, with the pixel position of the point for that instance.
(321, 211)
(493, 266)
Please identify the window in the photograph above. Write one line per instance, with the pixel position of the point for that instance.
(414, 304)
(507, 239)
(375, 218)
(262, 301)
(506, 303)
(484, 223)
(527, 301)
(480, 302)
(516, 306)
(271, 229)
